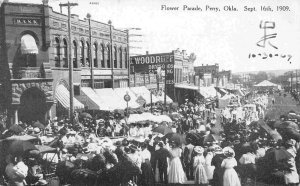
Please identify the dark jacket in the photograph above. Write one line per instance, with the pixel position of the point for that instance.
(160, 156)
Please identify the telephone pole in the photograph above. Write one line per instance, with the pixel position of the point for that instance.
(69, 5)
(111, 55)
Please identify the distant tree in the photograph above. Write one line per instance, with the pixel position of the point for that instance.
(236, 78)
(260, 76)
(192, 57)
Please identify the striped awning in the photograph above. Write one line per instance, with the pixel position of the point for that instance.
(93, 101)
(28, 45)
(62, 94)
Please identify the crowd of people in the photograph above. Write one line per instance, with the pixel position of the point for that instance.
(111, 151)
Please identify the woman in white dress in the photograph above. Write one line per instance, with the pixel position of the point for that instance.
(209, 169)
(176, 172)
(230, 177)
(198, 165)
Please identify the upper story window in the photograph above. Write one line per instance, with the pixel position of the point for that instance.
(57, 52)
(29, 51)
(102, 56)
(82, 53)
(115, 57)
(75, 54)
(121, 57)
(126, 58)
(95, 53)
(65, 53)
(87, 61)
(108, 57)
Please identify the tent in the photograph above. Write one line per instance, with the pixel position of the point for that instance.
(111, 98)
(266, 84)
(133, 118)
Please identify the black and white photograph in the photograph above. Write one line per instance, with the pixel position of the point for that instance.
(149, 92)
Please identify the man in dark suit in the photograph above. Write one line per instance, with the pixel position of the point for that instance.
(160, 158)
(218, 172)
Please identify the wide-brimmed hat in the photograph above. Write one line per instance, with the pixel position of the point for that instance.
(229, 152)
(133, 147)
(36, 130)
(199, 149)
(291, 142)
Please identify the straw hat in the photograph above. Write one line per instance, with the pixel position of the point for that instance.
(229, 152)
(198, 149)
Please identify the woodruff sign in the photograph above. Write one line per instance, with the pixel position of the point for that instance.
(152, 59)
(147, 64)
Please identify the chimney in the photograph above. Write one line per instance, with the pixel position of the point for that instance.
(147, 52)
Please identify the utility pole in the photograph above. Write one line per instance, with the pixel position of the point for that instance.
(71, 113)
(128, 58)
(296, 81)
(111, 55)
(291, 81)
(90, 52)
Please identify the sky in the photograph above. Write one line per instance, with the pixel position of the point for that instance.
(223, 37)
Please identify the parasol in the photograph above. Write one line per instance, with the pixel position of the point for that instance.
(19, 147)
(45, 148)
(178, 138)
(211, 138)
(17, 129)
(85, 115)
(282, 154)
(38, 125)
(21, 138)
(162, 129)
(289, 130)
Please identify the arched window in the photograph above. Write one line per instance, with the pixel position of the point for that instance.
(82, 53)
(126, 58)
(57, 53)
(87, 63)
(29, 51)
(108, 56)
(95, 53)
(115, 57)
(75, 54)
(65, 53)
(102, 56)
(121, 57)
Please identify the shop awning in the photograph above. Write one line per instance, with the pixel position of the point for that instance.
(145, 93)
(121, 92)
(62, 94)
(28, 45)
(91, 99)
(110, 98)
(209, 92)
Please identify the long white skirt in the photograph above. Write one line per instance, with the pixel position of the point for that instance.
(176, 172)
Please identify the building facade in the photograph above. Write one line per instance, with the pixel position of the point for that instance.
(150, 70)
(34, 58)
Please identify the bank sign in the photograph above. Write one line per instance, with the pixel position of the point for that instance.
(150, 63)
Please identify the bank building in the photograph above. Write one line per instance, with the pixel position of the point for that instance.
(34, 73)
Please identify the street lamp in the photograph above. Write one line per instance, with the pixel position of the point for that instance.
(88, 16)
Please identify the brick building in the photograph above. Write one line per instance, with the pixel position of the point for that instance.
(34, 59)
